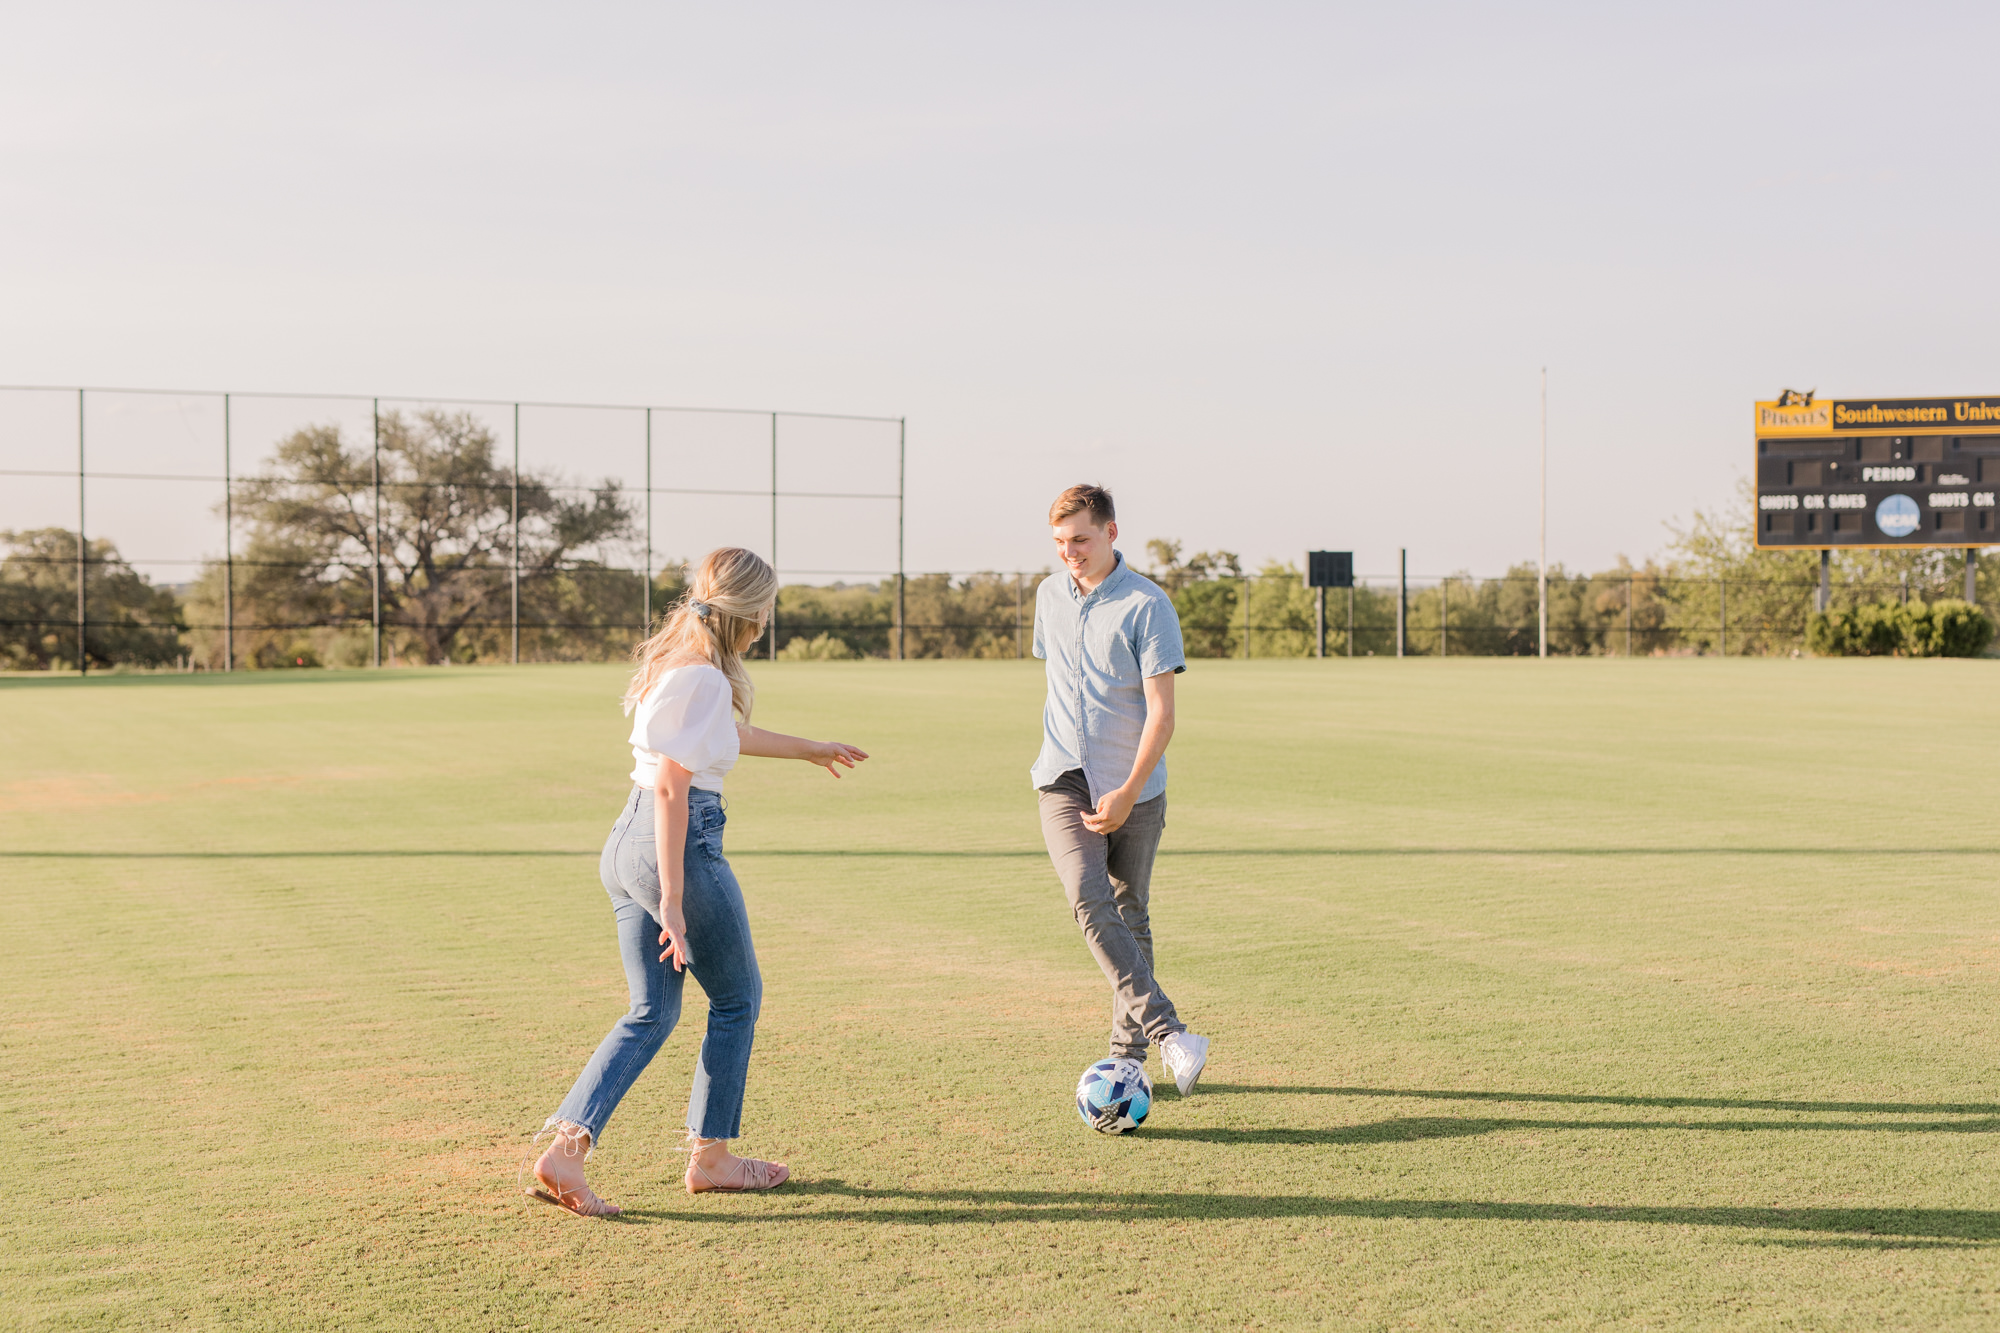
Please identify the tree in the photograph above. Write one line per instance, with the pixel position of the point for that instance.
(1772, 593)
(446, 524)
(860, 615)
(1723, 585)
(1633, 596)
(1281, 612)
(1204, 589)
(972, 617)
(131, 621)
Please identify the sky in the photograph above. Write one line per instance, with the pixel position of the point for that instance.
(1283, 277)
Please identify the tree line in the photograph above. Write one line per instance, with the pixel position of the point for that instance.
(461, 537)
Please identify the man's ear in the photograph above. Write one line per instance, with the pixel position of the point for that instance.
(1111, 530)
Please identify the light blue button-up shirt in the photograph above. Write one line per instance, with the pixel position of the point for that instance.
(1100, 650)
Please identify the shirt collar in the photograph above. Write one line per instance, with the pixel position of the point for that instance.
(1111, 580)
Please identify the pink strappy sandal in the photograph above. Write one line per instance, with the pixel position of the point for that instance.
(744, 1175)
(582, 1200)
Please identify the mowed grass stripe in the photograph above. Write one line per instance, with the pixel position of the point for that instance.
(1576, 993)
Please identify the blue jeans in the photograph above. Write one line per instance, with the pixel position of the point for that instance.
(718, 935)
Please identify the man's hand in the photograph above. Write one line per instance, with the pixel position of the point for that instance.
(1112, 811)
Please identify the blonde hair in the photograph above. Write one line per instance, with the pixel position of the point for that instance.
(718, 618)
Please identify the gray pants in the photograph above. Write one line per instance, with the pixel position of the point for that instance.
(1107, 878)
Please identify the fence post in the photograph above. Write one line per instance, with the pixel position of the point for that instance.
(514, 542)
(1350, 620)
(902, 454)
(1444, 617)
(1245, 578)
(1825, 577)
(1018, 653)
(375, 408)
(1402, 595)
(228, 547)
(1628, 615)
(1723, 584)
(1319, 622)
(646, 574)
(774, 533)
(1972, 575)
(82, 552)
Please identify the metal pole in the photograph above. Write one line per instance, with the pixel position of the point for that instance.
(902, 455)
(772, 648)
(1628, 615)
(1826, 577)
(228, 548)
(1350, 620)
(82, 551)
(375, 407)
(1723, 584)
(1972, 575)
(1246, 615)
(1402, 595)
(1018, 650)
(514, 542)
(1319, 622)
(1444, 618)
(647, 572)
(1542, 579)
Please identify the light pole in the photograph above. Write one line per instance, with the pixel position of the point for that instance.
(1542, 578)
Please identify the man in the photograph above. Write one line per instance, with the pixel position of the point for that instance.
(1113, 645)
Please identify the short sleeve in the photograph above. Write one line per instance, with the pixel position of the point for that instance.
(1156, 632)
(689, 721)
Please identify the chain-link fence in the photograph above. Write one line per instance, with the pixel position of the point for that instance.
(213, 531)
(1615, 614)
(1273, 614)
(223, 530)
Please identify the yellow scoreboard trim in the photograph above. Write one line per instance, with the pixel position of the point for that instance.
(1972, 415)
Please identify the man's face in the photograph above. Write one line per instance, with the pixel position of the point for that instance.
(1085, 548)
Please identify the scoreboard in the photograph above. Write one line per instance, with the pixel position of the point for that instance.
(1329, 569)
(1877, 472)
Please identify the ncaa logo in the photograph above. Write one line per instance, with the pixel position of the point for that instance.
(1897, 516)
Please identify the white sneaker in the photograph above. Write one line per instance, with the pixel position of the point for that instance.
(1184, 1054)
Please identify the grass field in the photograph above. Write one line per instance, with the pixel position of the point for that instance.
(1567, 994)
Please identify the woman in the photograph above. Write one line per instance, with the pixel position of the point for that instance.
(689, 677)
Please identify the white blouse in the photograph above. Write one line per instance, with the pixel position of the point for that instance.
(686, 717)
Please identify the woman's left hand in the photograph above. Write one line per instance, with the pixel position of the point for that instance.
(829, 755)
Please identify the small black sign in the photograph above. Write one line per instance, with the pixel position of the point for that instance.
(1329, 569)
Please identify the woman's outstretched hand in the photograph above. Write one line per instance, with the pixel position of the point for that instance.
(675, 936)
(829, 755)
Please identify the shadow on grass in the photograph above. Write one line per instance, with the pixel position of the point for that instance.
(426, 852)
(213, 680)
(1365, 852)
(1035, 854)
(1604, 1099)
(1856, 1227)
(1406, 1128)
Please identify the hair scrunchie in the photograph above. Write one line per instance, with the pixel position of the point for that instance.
(699, 608)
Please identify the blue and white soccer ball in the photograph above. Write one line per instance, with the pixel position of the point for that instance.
(1113, 1096)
